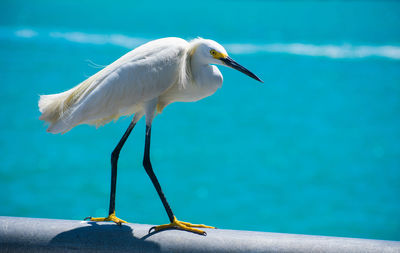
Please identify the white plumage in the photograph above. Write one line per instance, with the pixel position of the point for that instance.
(142, 82)
(151, 76)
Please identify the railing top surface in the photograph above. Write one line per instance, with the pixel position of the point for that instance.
(50, 235)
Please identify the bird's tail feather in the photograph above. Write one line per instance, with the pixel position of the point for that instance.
(55, 108)
(52, 108)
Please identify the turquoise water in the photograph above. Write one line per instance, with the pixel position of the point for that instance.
(315, 150)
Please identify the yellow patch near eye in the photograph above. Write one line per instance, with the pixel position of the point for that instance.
(217, 55)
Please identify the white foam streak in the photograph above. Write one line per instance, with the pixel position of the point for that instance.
(114, 39)
(345, 51)
(26, 33)
(331, 51)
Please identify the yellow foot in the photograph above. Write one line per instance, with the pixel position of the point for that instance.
(182, 226)
(110, 217)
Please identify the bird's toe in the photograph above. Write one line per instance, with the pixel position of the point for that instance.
(110, 217)
(181, 225)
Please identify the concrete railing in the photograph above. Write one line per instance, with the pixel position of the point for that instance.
(46, 235)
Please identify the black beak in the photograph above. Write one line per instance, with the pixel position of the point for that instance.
(232, 64)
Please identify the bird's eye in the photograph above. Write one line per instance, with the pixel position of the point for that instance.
(213, 52)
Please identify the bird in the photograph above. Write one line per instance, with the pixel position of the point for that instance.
(142, 83)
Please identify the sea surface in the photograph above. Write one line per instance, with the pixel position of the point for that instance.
(313, 150)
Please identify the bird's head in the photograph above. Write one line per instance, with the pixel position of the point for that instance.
(213, 53)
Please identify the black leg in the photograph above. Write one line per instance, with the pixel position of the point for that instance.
(149, 169)
(114, 162)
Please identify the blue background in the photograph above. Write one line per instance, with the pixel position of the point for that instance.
(315, 150)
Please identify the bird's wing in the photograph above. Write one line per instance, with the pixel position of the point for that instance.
(137, 77)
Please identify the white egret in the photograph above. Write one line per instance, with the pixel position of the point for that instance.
(142, 82)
